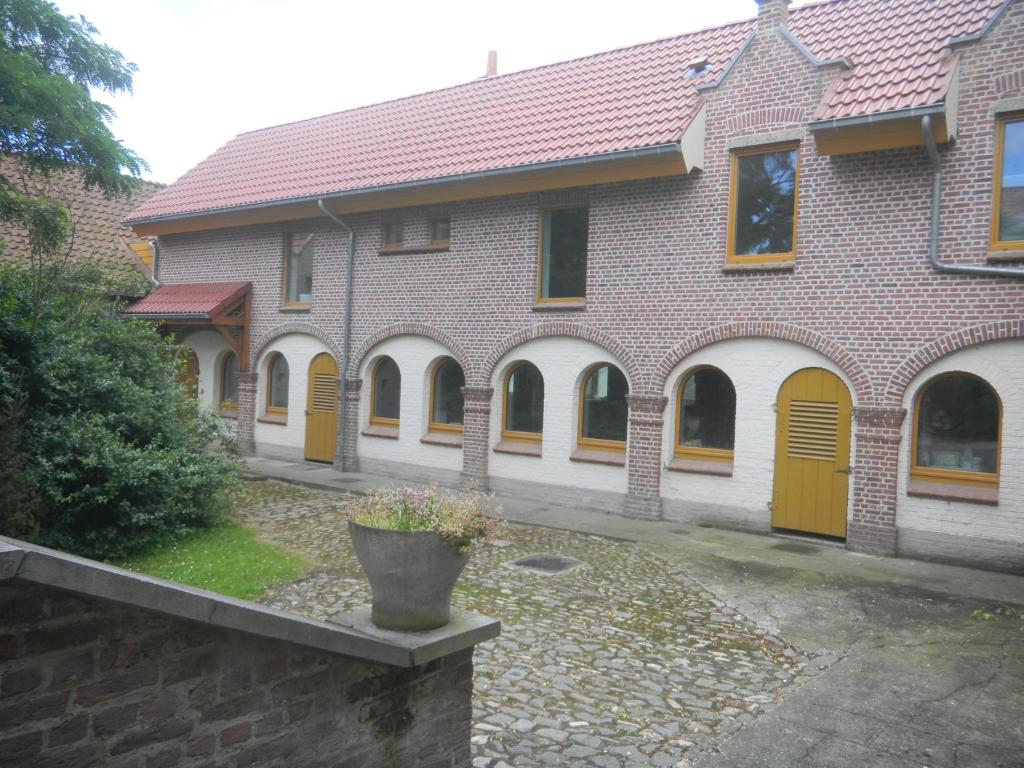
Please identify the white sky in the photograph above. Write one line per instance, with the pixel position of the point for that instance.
(211, 69)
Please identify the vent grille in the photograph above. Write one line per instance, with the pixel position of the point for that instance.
(813, 429)
(325, 393)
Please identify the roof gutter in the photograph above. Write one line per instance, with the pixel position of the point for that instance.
(671, 148)
(347, 337)
(878, 117)
(933, 234)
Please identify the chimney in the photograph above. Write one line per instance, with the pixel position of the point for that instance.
(492, 63)
(772, 13)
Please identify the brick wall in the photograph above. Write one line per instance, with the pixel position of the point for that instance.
(86, 681)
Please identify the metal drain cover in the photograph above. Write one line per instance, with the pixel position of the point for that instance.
(549, 564)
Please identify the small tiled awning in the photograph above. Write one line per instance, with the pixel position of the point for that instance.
(189, 301)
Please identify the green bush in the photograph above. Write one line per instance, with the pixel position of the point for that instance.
(105, 454)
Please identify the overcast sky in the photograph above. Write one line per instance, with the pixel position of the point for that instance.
(210, 69)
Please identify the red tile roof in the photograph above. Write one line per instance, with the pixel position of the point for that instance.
(626, 99)
(198, 300)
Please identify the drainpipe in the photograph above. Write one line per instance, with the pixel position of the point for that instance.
(933, 234)
(347, 338)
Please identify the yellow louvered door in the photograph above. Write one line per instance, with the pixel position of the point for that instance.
(812, 454)
(322, 409)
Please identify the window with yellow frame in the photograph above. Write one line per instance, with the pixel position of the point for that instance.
(957, 418)
(706, 417)
(298, 270)
(763, 204)
(604, 413)
(229, 382)
(447, 404)
(277, 385)
(385, 393)
(523, 405)
(1008, 194)
(562, 261)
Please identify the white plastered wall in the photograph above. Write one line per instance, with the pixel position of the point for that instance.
(209, 347)
(416, 357)
(286, 440)
(758, 368)
(965, 531)
(562, 361)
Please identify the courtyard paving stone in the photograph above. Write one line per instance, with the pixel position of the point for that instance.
(623, 661)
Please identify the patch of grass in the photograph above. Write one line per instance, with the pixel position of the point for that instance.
(226, 559)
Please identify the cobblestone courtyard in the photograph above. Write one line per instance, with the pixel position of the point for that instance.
(622, 661)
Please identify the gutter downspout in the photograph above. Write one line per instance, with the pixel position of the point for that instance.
(347, 337)
(933, 234)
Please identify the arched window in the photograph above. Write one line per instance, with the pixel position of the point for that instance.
(603, 410)
(706, 413)
(386, 393)
(229, 382)
(446, 401)
(524, 404)
(277, 384)
(956, 432)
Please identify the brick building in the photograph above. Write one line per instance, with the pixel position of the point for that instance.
(759, 276)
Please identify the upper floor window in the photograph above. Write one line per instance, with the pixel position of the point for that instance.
(440, 231)
(603, 410)
(277, 384)
(563, 255)
(229, 382)
(762, 205)
(1008, 211)
(956, 432)
(392, 234)
(386, 393)
(298, 270)
(524, 404)
(446, 399)
(707, 417)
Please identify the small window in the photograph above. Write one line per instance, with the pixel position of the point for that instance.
(762, 207)
(277, 385)
(440, 231)
(563, 257)
(524, 404)
(229, 382)
(707, 417)
(956, 432)
(446, 399)
(298, 270)
(603, 410)
(392, 234)
(1008, 211)
(387, 393)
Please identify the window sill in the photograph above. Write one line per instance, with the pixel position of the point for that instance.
(378, 430)
(693, 467)
(1000, 257)
(295, 307)
(437, 438)
(273, 418)
(226, 414)
(950, 492)
(607, 458)
(559, 306)
(761, 266)
(521, 449)
(413, 249)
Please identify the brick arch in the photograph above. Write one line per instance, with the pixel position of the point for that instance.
(294, 327)
(572, 330)
(947, 345)
(443, 338)
(846, 362)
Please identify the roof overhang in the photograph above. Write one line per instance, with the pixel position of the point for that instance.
(625, 165)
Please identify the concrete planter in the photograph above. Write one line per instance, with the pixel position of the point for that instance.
(412, 574)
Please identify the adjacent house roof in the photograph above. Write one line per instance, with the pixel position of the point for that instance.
(621, 101)
(196, 301)
(97, 232)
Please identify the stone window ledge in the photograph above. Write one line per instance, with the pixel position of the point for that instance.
(273, 418)
(1001, 257)
(719, 468)
(229, 414)
(414, 249)
(764, 266)
(439, 438)
(295, 308)
(599, 457)
(379, 430)
(951, 492)
(559, 306)
(521, 449)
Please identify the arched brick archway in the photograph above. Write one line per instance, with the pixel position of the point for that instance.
(411, 329)
(573, 330)
(293, 327)
(769, 330)
(947, 345)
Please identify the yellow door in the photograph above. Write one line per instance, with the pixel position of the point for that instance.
(812, 454)
(322, 409)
